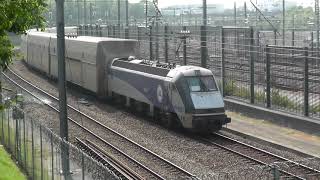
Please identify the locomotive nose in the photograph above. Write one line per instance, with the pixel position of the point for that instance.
(209, 123)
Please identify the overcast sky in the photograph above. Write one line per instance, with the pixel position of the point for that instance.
(227, 3)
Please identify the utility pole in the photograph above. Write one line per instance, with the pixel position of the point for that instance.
(157, 29)
(245, 11)
(127, 20)
(174, 16)
(90, 16)
(283, 22)
(118, 18)
(62, 88)
(127, 13)
(78, 5)
(235, 13)
(146, 13)
(204, 50)
(85, 11)
(317, 24)
(204, 12)
(293, 31)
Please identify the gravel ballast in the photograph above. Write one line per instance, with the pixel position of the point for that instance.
(178, 147)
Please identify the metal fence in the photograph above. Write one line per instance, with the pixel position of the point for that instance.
(251, 65)
(37, 149)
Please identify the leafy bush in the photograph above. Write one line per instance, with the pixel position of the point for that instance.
(281, 100)
(315, 109)
(230, 88)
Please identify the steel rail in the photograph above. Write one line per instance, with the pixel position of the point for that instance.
(188, 174)
(266, 153)
(106, 159)
(86, 129)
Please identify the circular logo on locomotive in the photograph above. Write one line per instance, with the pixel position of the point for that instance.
(159, 94)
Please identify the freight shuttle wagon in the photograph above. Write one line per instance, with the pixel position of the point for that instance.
(87, 58)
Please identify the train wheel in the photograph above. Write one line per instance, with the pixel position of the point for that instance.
(156, 114)
(167, 120)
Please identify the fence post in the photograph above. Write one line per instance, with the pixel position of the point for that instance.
(108, 31)
(41, 153)
(251, 65)
(312, 44)
(222, 62)
(16, 144)
(292, 40)
(276, 174)
(150, 43)
(306, 82)
(166, 43)
(32, 149)
(275, 37)
(184, 39)
(126, 32)
(27, 149)
(113, 31)
(268, 74)
(82, 165)
(97, 30)
(139, 31)
(2, 132)
(204, 51)
(24, 143)
(9, 139)
(92, 30)
(100, 31)
(52, 156)
(86, 29)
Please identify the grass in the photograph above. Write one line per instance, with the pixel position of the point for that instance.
(277, 99)
(27, 166)
(8, 169)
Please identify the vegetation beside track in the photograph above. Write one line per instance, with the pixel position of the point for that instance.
(8, 169)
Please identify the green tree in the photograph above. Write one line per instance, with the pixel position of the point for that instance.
(17, 16)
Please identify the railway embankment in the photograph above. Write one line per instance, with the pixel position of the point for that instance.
(273, 135)
(300, 123)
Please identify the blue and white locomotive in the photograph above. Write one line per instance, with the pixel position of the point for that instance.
(183, 95)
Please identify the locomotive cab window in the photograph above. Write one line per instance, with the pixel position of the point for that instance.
(201, 84)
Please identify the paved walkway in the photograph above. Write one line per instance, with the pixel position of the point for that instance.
(293, 139)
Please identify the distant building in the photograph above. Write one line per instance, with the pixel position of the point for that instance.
(272, 5)
(195, 9)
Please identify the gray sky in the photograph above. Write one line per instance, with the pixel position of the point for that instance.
(227, 3)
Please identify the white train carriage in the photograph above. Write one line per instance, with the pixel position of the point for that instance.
(86, 57)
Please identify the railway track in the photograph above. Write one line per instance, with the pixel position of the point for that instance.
(293, 170)
(139, 159)
(121, 170)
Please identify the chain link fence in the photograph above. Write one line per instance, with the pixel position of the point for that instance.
(250, 65)
(37, 149)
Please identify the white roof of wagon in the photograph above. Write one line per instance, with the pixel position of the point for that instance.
(79, 38)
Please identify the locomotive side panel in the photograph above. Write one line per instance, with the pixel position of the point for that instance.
(142, 87)
(109, 49)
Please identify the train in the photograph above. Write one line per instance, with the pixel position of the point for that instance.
(174, 95)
